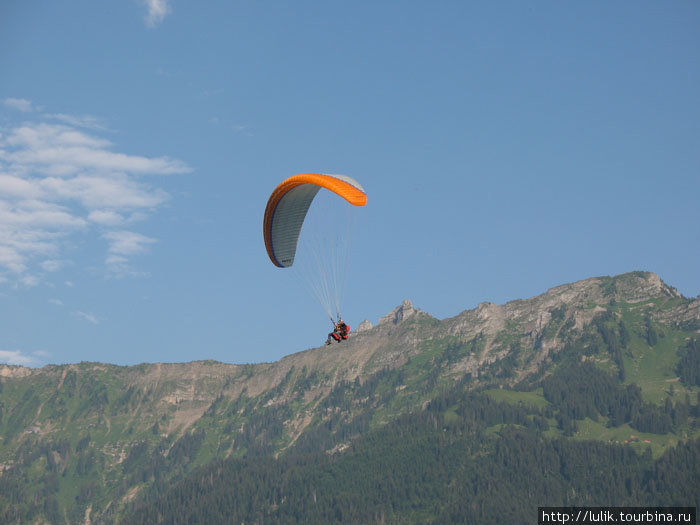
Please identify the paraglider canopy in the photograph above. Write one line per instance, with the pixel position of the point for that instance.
(287, 207)
(323, 250)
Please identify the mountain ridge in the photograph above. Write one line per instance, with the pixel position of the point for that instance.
(99, 423)
(484, 311)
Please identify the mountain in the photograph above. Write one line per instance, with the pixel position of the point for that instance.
(610, 359)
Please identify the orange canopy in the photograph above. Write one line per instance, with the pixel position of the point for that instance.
(287, 207)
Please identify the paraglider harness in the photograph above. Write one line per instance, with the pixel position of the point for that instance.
(339, 333)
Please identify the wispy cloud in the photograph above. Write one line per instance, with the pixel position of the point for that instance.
(162, 72)
(105, 217)
(17, 357)
(82, 121)
(122, 245)
(61, 180)
(90, 318)
(60, 150)
(127, 243)
(212, 92)
(157, 11)
(245, 130)
(52, 265)
(20, 104)
(29, 280)
(56, 302)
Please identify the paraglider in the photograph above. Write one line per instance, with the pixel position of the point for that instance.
(287, 211)
(339, 333)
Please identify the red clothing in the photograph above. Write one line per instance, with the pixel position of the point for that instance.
(339, 333)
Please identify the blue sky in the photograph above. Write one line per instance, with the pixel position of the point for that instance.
(506, 148)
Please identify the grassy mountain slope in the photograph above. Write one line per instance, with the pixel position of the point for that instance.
(84, 442)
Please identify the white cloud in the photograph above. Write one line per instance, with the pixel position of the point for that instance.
(58, 181)
(17, 187)
(29, 229)
(117, 261)
(122, 245)
(16, 357)
(86, 317)
(56, 149)
(20, 104)
(19, 245)
(11, 259)
(52, 265)
(105, 217)
(127, 243)
(41, 136)
(157, 11)
(29, 280)
(119, 267)
(83, 121)
(56, 302)
(34, 213)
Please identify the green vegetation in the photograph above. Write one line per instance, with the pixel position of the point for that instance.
(426, 468)
(688, 367)
(534, 398)
(591, 401)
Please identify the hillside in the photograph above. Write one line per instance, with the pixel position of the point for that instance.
(611, 359)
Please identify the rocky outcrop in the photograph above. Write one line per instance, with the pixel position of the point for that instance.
(637, 286)
(364, 326)
(14, 371)
(685, 315)
(404, 311)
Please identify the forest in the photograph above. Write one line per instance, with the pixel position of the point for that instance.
(465, 459)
